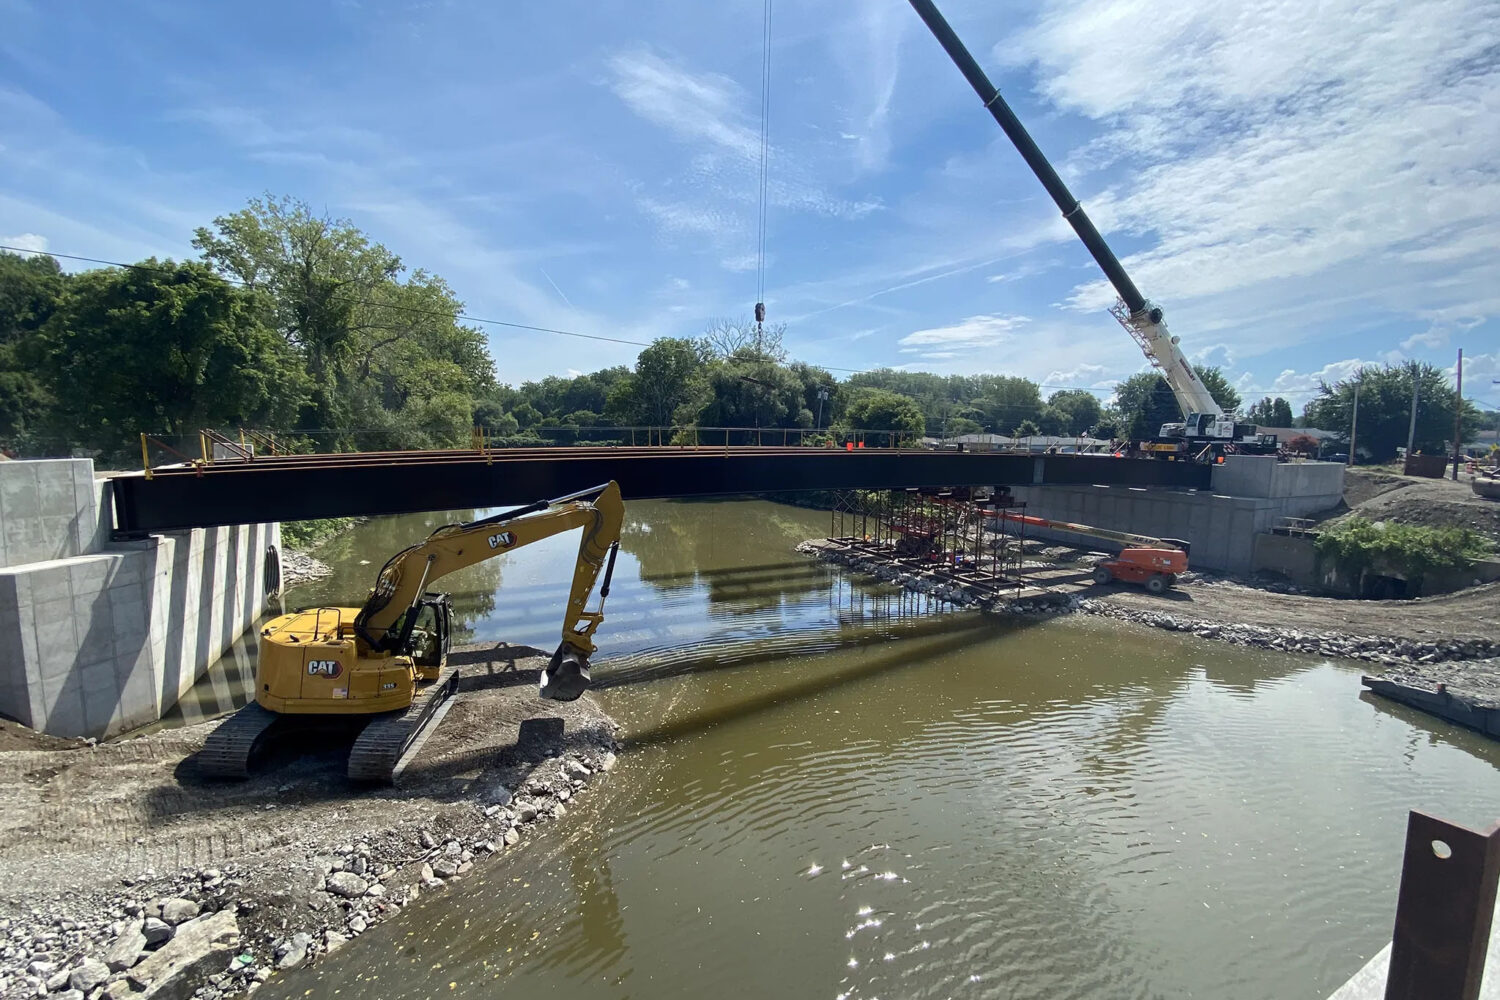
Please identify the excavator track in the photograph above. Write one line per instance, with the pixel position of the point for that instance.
(229, 748)
(380, 746)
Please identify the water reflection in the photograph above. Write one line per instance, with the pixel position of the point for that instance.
(832, 789)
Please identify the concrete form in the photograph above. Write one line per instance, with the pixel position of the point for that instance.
(99, 637)
(1250, 494)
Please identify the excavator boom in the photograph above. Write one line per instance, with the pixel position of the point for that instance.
(385, 666)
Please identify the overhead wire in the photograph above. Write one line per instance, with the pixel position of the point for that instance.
(509, 324)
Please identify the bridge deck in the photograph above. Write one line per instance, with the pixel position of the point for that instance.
(298, 487)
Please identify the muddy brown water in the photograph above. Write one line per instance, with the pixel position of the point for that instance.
(835, 790)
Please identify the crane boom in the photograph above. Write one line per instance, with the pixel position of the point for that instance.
(1140, 317)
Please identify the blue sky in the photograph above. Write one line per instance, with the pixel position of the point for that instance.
(1303, 187)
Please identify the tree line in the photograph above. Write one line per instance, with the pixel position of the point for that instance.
(304, 326)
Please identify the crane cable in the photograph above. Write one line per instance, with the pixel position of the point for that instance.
(765, 154)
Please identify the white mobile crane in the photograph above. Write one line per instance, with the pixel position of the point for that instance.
(1206, 431)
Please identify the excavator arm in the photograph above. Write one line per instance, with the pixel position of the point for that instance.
(384, 623)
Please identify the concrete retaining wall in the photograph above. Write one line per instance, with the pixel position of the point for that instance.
(1291, 556)
(1220, 525)
(97, 638)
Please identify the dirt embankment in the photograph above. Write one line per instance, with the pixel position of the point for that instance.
(125, 874)
(1434, 503)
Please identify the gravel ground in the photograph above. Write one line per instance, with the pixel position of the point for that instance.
(124, 874)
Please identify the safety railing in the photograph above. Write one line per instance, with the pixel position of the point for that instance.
(246, 445)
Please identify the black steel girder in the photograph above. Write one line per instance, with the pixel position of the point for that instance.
(303, 487)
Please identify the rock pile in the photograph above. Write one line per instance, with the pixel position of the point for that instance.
(212, 933)
(299, 567)
(1376, 649)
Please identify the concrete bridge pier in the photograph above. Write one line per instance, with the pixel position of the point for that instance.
(100, 637)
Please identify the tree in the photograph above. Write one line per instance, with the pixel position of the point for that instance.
(880, 410)
(1079, 409)
(1385, 396)
(1108, 429)
(669, 375)
(746, 341)
(1144, 401)
(1271, 412)
(753, 394)
(1026, 429)
(370, 340)
(1304, 444)
(165, 347)
(30, 290)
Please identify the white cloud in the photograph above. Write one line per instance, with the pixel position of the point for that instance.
(681, 217)
(1433, 337)
(692, 106)
(1084, 376)
(26, 241)
(972, 334)
(1348, 139)
(1216, 355)
(1300, 387)
(740, 262)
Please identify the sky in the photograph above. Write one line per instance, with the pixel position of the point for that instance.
(1304, 188)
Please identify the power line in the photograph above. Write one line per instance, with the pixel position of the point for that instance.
(509, 324)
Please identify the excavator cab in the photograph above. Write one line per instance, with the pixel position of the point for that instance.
(431, 634)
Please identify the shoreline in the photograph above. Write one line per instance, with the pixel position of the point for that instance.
(127, 876)
(1416, 650)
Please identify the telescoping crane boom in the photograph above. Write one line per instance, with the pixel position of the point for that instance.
(1205, 422)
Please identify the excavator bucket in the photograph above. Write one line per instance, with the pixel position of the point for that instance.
(566, 676)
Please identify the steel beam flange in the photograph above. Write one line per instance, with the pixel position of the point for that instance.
(1443, 912)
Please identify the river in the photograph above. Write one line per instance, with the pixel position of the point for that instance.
(835, 790)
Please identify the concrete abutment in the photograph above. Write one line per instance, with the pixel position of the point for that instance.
(1250, 494)
(100, 637)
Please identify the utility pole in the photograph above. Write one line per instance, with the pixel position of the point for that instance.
(1458, 416)
(822, 395)
(1354, 424)
(1411, 429)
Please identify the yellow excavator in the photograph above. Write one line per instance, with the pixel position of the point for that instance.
(385, 665)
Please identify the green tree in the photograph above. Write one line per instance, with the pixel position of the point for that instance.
(1385, 396)
(753, 394)
(669, 375)
(1079, 408)
(1271, 412)
(372, 341)
(881, 410)
(165, 347)
(31, 289)
(1026, 429)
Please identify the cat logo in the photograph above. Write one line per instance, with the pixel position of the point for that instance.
(324, 668)
(504, 540)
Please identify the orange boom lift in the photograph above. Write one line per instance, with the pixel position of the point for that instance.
(1151, 562)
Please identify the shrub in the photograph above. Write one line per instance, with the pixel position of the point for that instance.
(1413, 550)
